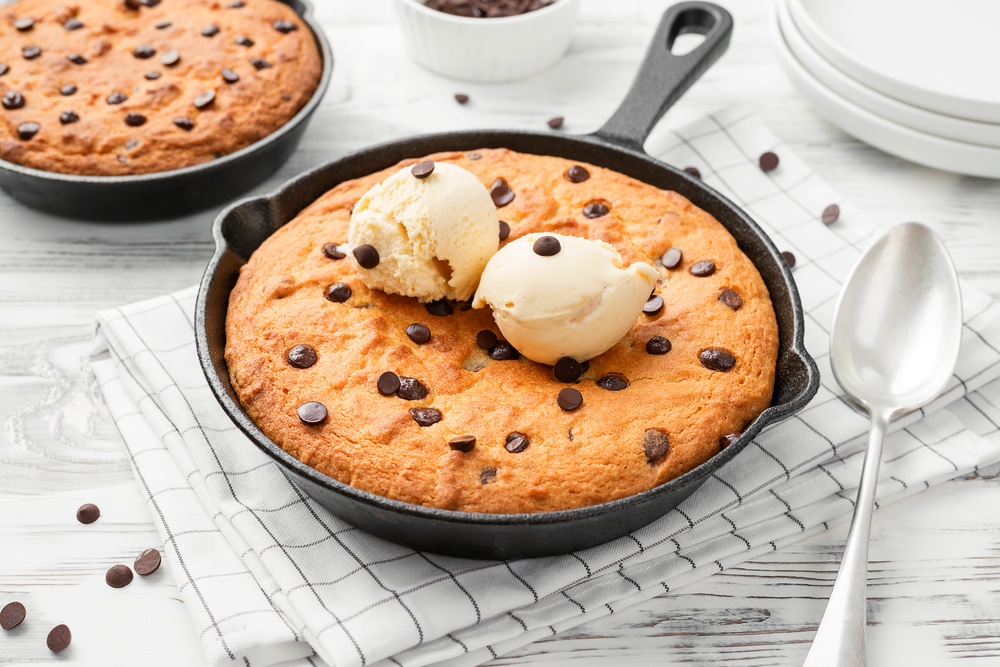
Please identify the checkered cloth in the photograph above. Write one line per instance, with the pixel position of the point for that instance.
(270, 576)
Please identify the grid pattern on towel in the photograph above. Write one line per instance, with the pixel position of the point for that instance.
(270, 576)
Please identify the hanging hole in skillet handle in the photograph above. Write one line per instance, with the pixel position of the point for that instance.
(668, 70)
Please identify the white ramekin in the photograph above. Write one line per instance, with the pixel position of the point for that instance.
(487, 50)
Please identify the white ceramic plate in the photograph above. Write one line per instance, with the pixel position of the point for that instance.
(949, 127)
(936, 54)
(899, 140)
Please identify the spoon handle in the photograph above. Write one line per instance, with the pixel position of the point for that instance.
(840, 639)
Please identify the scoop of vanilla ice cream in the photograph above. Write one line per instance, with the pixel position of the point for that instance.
(433, 235)
(576, 303)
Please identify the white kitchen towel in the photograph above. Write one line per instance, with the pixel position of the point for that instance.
(270, 576)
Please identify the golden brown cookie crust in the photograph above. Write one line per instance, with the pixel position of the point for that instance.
(101, 142)
(593, 454)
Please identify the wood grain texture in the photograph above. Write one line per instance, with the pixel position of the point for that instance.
(935, 570)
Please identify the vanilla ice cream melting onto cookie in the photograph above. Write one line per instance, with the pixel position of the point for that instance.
(427, 231)
(559, 296)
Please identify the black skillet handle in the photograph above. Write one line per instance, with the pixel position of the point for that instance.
(663, 76)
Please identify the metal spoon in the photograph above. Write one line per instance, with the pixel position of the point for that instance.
(894, 345)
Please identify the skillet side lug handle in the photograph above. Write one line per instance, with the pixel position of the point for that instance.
(663, 77)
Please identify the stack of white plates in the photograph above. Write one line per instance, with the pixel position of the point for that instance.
(916, 78)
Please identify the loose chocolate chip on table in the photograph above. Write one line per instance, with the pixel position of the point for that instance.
(27, 130)
(546, 246)
(68, 89)
(613, 382)
(830, 214)
(332, 251)
(31, 52)
(425, 416)
(702, 269)
(259, 63)
(301, 356)
(163, 25)
(439, 308)
(73, 24)
(516, 442)
(653, 305)
(88, 513)
(135, 120)
(204, 99)
(487, 475)
(69, 116)
(595, 209)
(13, 100)
(184, 123)
(461, 98)
(730, 298)
(118, 576)
(418, 333)
(501, 193)
(312, 412)
(366, 256)
(789, 258)
(243, 40)
(692, 171)
(387, 383)
(12, 615)
(576, 174)
(4, 68)
(657, 345)
(463, 443)
(284, 26)
(229, 76)
(152, 75)
(717, 359)
(144, 51)
(768, 161)
(423, 169)
(24, 24)
(504, 230)
(728, 439)
(504, 351)
(411, 389)
(59, 638)
(116, 98)
(338, 292)
(569, 399)
(210, 31)
(486, 339)
(76, 59)
(171, 58)
(567, 369)
(556, 123)
(147, 562)
(655, 444)
(671, 258)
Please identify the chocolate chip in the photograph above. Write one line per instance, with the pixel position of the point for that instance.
(486, 339)
(487, 475)
(461, 98)
(411, 389)
(59, 638)
(152, 75)
(658, 345)
(504, 230)
(655, 444)
(144, 51)
(717, 359)
(830, 214)
(516, 442)
(702, 269)
(171, 58)
(13, 100)
(24, 24)
(728, 439)
(88, 513)
(474, 156)
(463, 443)
(556, 123)
(730, 298)
(576, 174)
(423, 169)
(12, 615)
(768, 161)
(147, 562)
(184, 123)
(366, 256)
(653, 305)
(259, 63)
(387, 383)
(418, 333)
(439, 308)
(312, 412)
(4, 68)
(596, 209)
(501, 193)
(116, 98)
(235, 4)
(567, 369)
(210, 31)
(693, 171)
(31, 52)
(204, 99)
(569, 399)
(338, 292)
(27, 130)
(504, 351)
(135, 120)
(613, 382)
(67, 90)
(546, 246)
(425, 416)
(671, 258)
(118, 576)
(69, 116)
(133, 4)
(163, 25)
(789, 258)
(229, 76)
(332, 251)
(76, 59)
(285, 27)
(301, 356)
(243, 40)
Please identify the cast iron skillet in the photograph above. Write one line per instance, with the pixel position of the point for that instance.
(663, 77)
(170, 194)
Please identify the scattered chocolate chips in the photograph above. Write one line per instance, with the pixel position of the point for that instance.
(569, 399)
(68, 116)
(332, 251)
(555, 123)
(366, 256)
(653, 305)
(487, 475)
(12, 615)
(387, 383)
(463, 443)
(576, 174)
(423, 169)
(135, 119)
(702, 269)
(504, 351)
(118, 576)
(67, 90)
(461, 98)
(31, 52)
(504, 230)
(204, 100)
(830, 214)
(613, 382)
(13, 100)
(284, 26)
(88, 513)
(717, 359)
(516, 442)
(728, 439)
(546, 246)
(4, 68)
(418, 333)
(671, 258)
(301, 356)
(163, 25)
(425, 416)
(210, 31)
(730, 298)
(152, 75)
(486, 339)
(312, 412)
(25, 24)
(171, 58)
(27, 130)
(658, 345)
(147, 562)
(768, 161)
(184, 123)
(259, 63)
(59, 638)
(693, 171)
(229, 76)
(567, 369)
(789, 258)
(76, 59)
(243, 40)
(116, 98)
(338, 292)
(596, 209)
(439, 308)
(501, 193)
(411, 389)
(655, 444)
(144, 51)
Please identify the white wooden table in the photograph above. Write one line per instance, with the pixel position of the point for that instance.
(935, 571)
